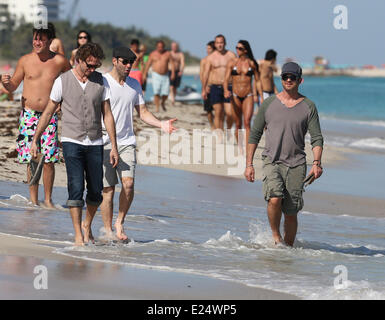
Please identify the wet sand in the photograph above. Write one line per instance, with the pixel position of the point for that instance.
(70, 278)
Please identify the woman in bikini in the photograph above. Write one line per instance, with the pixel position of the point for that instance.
(241, 70)
(82, 38)
(56, 44)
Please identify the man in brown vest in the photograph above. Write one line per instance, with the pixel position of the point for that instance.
(84, 99)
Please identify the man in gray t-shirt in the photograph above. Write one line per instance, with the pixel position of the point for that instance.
(287, 117)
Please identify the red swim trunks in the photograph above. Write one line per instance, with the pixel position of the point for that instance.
(137, 74)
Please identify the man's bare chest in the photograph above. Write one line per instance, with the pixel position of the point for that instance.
(41, 71)
(220, 61)
(161, 58)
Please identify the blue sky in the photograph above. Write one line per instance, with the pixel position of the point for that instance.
(300, 29)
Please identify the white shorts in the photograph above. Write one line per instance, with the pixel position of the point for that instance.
(267, 94)
(160, 84)
(125, 167)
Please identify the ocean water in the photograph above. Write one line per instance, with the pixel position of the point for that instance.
(352, 110)
(211, 226)
(349, 98)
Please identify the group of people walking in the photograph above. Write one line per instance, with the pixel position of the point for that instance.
(98, 138)
(228, 87)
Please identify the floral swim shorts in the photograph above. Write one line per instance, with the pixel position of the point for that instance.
(48, 142)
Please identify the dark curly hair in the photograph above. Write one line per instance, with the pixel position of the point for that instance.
(89, 49)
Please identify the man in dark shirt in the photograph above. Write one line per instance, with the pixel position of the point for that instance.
(287, 117)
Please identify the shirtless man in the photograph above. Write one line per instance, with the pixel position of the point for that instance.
(215, 68)
(38, 69)
(159, 60)
(135, 72)
(210, 48)
(266, 69)
(177, 58)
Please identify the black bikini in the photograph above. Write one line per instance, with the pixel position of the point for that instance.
(249, 73)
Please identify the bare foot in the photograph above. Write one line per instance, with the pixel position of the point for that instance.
(120, 232)
(164, 107)
(87, 233)
(79, 242)
(49, 204)
(219, 136)
(35, 203)
(279, 243)
(108, 235)
(278, 239)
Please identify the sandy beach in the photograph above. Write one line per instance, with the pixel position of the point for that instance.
(113, 281)
(190, 117)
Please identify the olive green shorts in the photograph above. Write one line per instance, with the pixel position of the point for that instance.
(281, 181)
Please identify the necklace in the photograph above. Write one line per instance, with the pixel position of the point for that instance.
(79, 76)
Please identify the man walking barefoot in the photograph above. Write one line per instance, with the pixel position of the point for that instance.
(177, 58)
(159, 60)
(287, 116)
(215, 70)
(207, 107)
(126, 94)
(38, 70)
(85, 101)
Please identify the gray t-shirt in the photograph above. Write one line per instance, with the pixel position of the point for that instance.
(286, 129)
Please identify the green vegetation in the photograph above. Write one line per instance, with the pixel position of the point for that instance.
(15, 43)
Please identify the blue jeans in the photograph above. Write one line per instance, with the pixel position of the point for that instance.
(83, 162)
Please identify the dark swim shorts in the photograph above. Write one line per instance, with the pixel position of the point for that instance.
(177, 79)
(217, 94)
(207, 106)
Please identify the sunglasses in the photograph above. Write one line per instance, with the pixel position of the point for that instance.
(85, 37)
(240, 48)
(287, 76)
(126, 61)
(92, 66)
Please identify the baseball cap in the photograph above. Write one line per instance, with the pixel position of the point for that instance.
(124, 53)
(293, 68)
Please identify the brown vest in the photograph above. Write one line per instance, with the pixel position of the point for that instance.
(81, 109)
